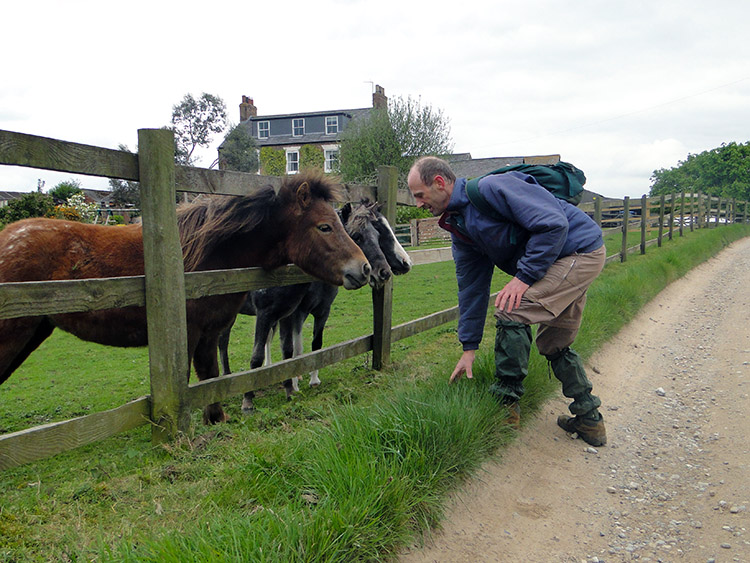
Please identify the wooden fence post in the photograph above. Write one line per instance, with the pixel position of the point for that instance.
(382, 299)
(165, 285)
(644, 220)
(598, 211)
(682, 211)
(625, 224)
(661, 219)
(692, 211)
(671, 215)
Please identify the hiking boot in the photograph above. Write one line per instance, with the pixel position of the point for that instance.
(514, 415)
(590, 431)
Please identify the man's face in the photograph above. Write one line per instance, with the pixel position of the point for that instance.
(434, 198)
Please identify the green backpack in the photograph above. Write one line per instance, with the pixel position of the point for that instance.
(562, 180)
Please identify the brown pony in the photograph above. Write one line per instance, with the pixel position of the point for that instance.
(267, 229)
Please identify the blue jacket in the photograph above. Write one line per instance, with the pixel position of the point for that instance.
(539, 229)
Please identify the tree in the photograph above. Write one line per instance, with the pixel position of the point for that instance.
(125, 193)
(33, 204)
(395, 137)
(723, 171)
(194, 122)
(62, 191)
(239, 151)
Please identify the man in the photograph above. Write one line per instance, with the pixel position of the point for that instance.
(553, 251)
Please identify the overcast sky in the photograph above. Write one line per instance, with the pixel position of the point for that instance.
(619, 88)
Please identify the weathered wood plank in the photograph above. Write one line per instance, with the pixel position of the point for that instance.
(217, 389)
(411, 328)
(23, 299)
(20, 149)
(225, 182)
(217, 282)
(166, 316)
(45, 441)
(382, 299)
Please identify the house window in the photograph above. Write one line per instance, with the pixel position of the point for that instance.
(292, 161)
(298, 127)
(264, 129)
(331, 163)
(332, 124)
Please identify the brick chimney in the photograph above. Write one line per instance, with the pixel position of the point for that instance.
(248, 109)
(379, 101)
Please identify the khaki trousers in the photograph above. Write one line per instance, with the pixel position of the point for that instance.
(556, 301)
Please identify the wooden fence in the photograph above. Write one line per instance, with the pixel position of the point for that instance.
(164, 288)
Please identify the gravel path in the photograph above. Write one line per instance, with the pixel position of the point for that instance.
(673, 483)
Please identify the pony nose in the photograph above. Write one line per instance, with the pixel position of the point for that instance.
(366, 269)
(385, 274)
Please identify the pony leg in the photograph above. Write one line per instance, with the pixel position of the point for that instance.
(18, 339)
(264, 331)
(206, 367)
(317, 343)
(224, 349)
(288, 350)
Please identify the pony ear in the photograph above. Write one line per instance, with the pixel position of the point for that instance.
(304, 197)
(345, 212)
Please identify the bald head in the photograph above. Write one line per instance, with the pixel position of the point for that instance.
(431, 182)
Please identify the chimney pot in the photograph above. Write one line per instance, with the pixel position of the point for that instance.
(247, 109)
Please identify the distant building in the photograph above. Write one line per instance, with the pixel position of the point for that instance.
(291, 131)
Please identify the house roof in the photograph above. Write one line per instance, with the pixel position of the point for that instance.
(307, 138)
(7, 196)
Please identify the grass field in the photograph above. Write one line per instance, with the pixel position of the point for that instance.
(348, 471)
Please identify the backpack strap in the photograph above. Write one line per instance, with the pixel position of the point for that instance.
(478, 201)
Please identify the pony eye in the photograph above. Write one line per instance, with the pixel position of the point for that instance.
(356, 237)
(325, 228)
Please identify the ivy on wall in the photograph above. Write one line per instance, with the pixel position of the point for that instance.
(272, 161)
(311, 156)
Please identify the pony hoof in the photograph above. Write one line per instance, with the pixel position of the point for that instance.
(315, 384)
(214, 414)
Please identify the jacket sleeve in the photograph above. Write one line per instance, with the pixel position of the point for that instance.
(474, 275)
(537, 212)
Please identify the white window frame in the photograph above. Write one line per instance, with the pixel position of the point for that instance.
(298, 123)
(328, 151)
(292, 160)
(332, 122)
(266, 129)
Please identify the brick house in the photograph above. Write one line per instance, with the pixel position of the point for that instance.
(292, 131)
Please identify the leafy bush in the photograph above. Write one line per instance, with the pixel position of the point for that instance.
(405, 213)
(62, 191)
(272, 161)
(66, 212)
